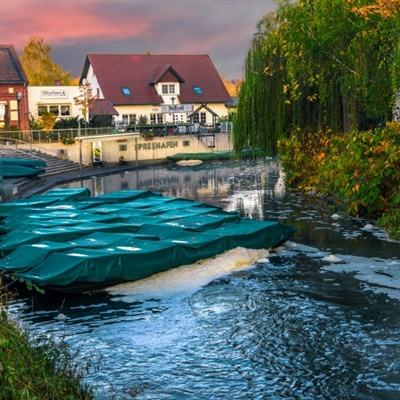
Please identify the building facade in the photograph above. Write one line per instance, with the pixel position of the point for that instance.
(14, 111)
(58, 100)
(158, 89)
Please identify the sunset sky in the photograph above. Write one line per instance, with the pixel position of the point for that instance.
(221, 28)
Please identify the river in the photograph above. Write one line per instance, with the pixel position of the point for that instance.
(318, 318)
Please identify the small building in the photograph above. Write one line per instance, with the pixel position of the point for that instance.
(13, 91)
(158, 89)
(58, 100)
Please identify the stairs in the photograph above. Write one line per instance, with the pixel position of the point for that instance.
(55, 166)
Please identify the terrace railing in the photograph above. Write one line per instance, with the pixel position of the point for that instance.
(56, 135)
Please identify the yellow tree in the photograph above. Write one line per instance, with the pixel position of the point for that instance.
(39, 67)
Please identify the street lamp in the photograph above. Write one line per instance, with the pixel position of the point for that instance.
(19, 98)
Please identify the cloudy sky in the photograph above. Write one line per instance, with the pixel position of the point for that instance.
(221, 28)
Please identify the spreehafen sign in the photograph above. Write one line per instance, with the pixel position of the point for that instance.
(156, 145)
(56, 93)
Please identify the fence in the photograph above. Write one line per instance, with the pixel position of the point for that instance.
(55, 135)
(63, 135)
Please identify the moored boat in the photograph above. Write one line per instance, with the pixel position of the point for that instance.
(121, 236)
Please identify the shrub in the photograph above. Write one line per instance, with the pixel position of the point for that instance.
(360, 170)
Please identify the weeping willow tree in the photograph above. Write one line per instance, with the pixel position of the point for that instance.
(318, 64)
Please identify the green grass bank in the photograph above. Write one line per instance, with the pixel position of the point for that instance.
(359, 170)
(36, 369)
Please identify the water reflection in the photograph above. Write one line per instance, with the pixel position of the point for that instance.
(317, 320)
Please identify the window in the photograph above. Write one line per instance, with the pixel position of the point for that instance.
(125, 119)
(203, 117)
(186, 143)
(164, 89)
(195, 118)
(132, 119)
(123, 147)
(42, 110)
(126, 91)
(59, 110)
(171, 88)
(98, 92)
(197, 90)
(53, 110)
(65, 111)
(178, 118)
(156, 118)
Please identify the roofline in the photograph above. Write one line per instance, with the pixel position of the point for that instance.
(17, 64)
(160, 104)
(85, 69)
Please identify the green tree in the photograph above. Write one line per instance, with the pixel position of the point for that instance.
(318, 64)
(39, 67)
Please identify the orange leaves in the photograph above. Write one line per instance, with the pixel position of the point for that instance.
(383, 8)
(320, 157)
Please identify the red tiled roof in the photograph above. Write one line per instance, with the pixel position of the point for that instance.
(138, 72)
(101, 107)
(11, 70)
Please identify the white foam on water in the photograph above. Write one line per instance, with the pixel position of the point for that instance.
(332, 258)
(380, 275)
(188, 278)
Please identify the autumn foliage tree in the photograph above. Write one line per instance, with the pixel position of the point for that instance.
(319, 64)
(39, 66)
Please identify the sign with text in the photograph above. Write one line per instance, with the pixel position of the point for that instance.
(156, 145)
(177, 108)
(54, 93)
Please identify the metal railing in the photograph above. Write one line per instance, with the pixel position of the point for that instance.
(23, 147)
(56, 135)
(61, 135)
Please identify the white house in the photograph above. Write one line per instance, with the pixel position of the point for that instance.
(158, 89)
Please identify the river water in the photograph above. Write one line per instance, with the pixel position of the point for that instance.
(318, 318)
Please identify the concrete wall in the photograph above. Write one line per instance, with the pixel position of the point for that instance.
(133, 147)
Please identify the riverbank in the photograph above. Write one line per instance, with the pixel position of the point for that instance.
(360, 171)
(36, 368)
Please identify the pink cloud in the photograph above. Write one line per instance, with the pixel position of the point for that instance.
(65, 22)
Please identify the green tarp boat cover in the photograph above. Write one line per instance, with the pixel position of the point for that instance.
(66, 240)
(21, 167)
(216, 155)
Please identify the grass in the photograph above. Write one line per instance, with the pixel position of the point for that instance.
(36, 369)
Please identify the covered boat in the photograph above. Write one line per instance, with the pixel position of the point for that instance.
(78, 243)
(215, 155)
(15, 167)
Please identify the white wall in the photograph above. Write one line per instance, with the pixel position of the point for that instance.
(137, 147)
(53, 95)
(92, 79)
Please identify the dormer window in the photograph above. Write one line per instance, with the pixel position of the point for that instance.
(168, 89)
(197, 90)
(126, 91)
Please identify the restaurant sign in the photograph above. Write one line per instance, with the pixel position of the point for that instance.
(54, 93)
(177, 108)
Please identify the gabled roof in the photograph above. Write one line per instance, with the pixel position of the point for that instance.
(139, 72)
(101, 107)
(165, 72)
(11, 70)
